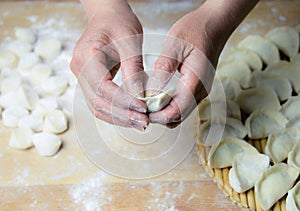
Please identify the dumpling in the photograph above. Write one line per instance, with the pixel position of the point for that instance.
(222, 155)
(248, 57)
(274, 183)
(262, 123)
(280, 143)
(286, 39)
(262, 47)
(294, 156)
(212, 131)
(287, 70)
(258, 98)
(291, 107)
(246, 169)
(219, 109)
(293, 198)
(281, 86)
(231, 89)
(294, 122)
(235, 70)
(7, 59)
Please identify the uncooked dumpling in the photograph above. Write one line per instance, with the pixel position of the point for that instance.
(286, 39)
(258, 98)
(294, 156)
(248, 57)
(262, 123)
(53, 86)
(281, 86)
(291, 107)
(295, 122)
(262, 47)
(48, 48)
(222, 155)
(236, 70)
(45, 105)
(274, 183)
(21, 138)
(55, 122)
(27, 61)
(246, 169)
(219, 109)
(280, 143)
(211, 131)
(287, 70)
(20, 48)
(12, 115)
(25, 35)
(34, 122)
(7, 59)
(293, 198)
(37, 74)
(46, 144)
(231, 89)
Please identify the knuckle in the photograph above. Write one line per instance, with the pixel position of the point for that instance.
(164, 64)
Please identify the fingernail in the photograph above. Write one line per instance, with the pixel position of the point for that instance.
(140, 125)
(138, 108)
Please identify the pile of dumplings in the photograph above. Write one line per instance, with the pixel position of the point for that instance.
(261, 82)
(35, 91)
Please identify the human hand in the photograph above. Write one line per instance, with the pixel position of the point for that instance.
(112, 39)
(193, 46)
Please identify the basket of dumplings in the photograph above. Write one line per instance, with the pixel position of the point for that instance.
(249, 139)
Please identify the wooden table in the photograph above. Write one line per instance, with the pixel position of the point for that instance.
(69, 181)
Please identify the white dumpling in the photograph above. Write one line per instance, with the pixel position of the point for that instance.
(230, 87)
(280, 143)
(39, 74)
(53, 86)
(293, 198)
(12, 115)
(261, 123)
(274, 183)
(295, 122)
(235, 70)
(246, 169)
(294, 156)
(10, 83)
(25, 35)
(262, 47)
(46, 144)
(45, 105)
(222, 155)
(55, 122)
(20, 138)
(291, 107)
(219, 109)
(287, 70)
(286, 39)
(248, 57)
(27, 61)
(48, 48)
(281, 86)
(258, 98)
(34, 122)
(211, 131)
(19, 48)
(7, 59)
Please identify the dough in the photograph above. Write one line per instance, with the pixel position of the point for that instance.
(254, 99)
(55, 122)
(222, 155)
(21, 138)
(53, 86)
(291, 107)
(286, 39)
(274, 183)
(12, 115)
(157, 102)
(48, 48)
(262, 47)
(31, 121)
(280, 143)
(294, 156)
(46, 144)
(7, 59)
(262, 123)
(293, 198)
(246, 169)
(25, 35)
(281, 86)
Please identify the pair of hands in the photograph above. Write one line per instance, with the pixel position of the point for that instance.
(114, 39)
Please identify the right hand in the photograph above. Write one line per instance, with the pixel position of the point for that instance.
(112, 39)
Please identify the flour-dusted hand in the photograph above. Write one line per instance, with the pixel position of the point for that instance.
(112, 39)
(193, 46)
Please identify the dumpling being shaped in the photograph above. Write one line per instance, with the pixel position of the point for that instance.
(293, 198)
(246, 169)
(280, 143)
(235, 70)
(212, 131)
(222, 155)
(294, 156)
(281, 86)
(219, 109)
(291, 107)
(274, 183)
(258, 98)
(261, 123)
(248, 57)
(285, 38)
(263, 47)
